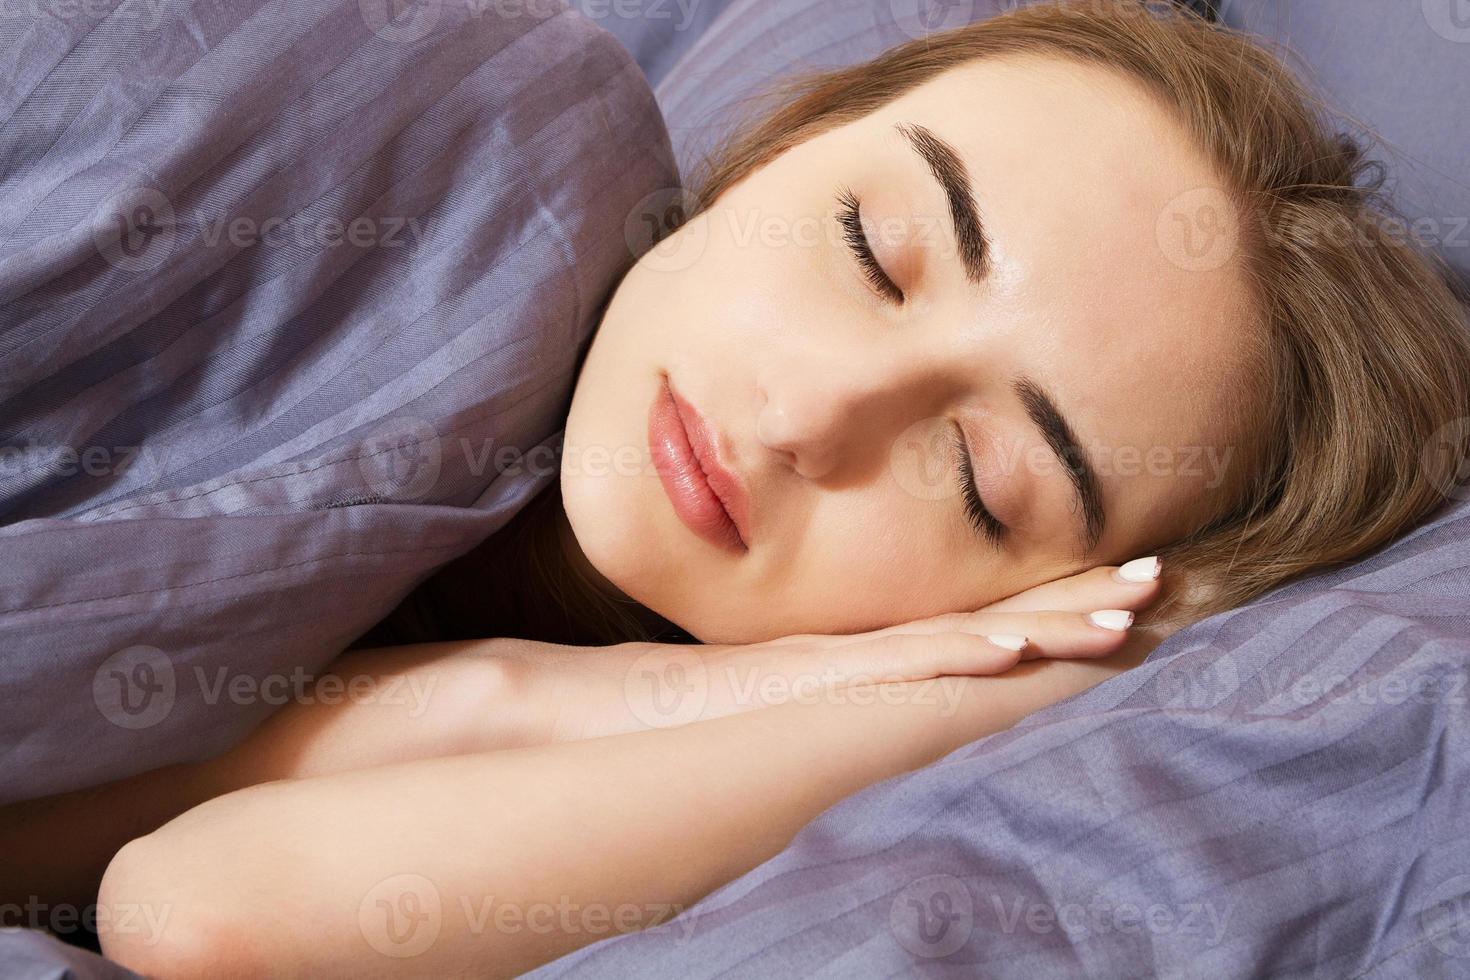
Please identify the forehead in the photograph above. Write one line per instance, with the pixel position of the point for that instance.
(1107, 263)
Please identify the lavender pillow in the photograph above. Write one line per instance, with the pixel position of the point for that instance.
(1399, 76)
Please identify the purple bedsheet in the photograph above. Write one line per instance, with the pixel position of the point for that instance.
(1282, 791)
(1278, 791)
(290, 298)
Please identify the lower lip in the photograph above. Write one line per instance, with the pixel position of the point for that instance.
(684, 481)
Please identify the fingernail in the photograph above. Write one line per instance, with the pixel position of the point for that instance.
(1139, 570)
(1008, 641)
(1116, 620)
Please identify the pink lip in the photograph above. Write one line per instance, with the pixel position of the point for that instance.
(706, 495)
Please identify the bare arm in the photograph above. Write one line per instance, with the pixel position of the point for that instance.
(330, 874)
(410, 703)
(433, 700)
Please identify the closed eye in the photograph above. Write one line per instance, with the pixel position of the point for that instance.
(850, 217)
(977, 514)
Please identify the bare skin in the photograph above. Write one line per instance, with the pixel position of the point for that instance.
(681, 801)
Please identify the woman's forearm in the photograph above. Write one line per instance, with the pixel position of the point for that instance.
(377, 707)
(331, 874)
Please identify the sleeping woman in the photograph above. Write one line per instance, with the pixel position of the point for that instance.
(967, 356)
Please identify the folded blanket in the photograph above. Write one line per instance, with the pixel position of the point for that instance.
(290, 299)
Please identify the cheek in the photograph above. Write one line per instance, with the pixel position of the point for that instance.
(873, 563)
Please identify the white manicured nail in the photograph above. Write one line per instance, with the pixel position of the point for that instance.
(1112, 619)
(1139, 570)
(1008, 641)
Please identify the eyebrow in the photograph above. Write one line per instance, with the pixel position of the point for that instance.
(1043, 413)
(947, 167)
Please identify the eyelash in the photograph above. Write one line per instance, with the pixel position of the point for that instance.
(978, 515)
(857, 241)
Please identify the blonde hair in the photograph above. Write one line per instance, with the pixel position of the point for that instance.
(1366, 360)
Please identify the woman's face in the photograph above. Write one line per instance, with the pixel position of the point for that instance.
(1069, 307)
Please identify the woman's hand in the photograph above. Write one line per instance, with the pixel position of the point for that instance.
(581, 693)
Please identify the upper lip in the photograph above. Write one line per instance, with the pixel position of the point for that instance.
(709, 451)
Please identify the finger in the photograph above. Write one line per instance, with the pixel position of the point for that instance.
(1049, 634)
(1133, 585)
(920, 656)
(765, 674)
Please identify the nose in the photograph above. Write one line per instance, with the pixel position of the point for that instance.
(822, 416)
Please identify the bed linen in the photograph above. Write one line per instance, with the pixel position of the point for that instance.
(291, 294)
(1279, 791)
